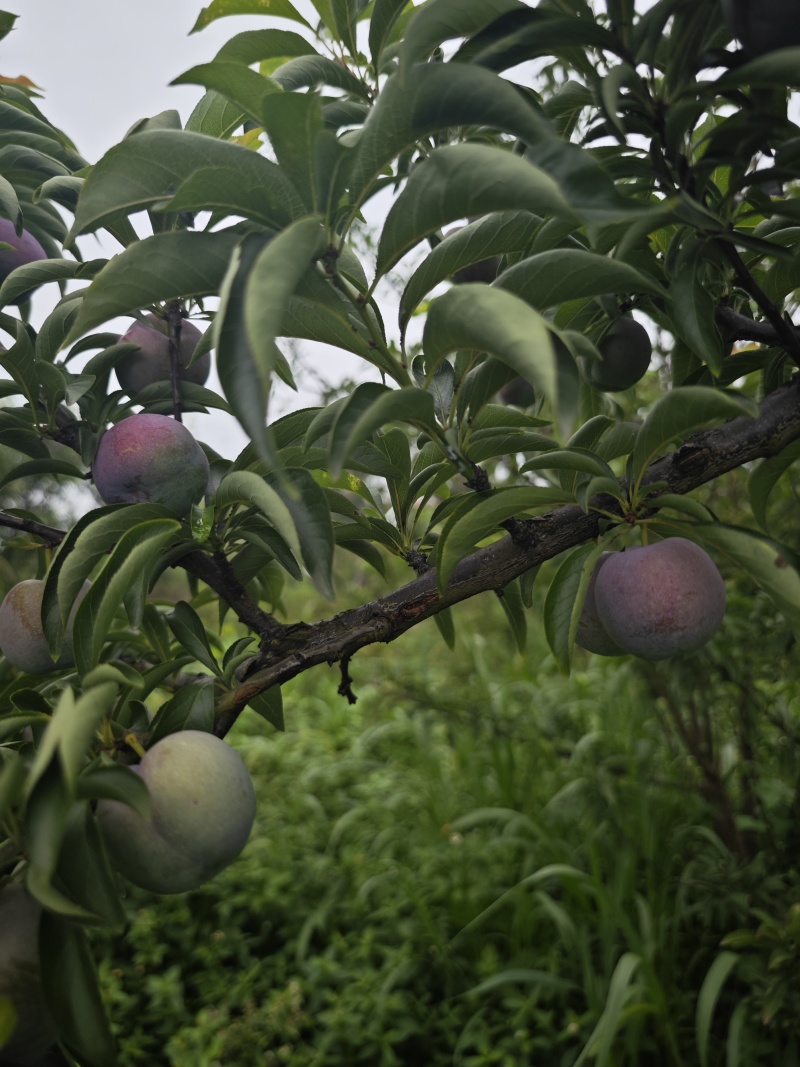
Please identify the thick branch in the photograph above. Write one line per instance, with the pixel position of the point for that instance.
(737, 327)
(701, 459)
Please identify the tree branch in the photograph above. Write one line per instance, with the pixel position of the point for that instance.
(49, 534)
(701, 459)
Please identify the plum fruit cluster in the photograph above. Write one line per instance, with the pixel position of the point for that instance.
(202, 811)
(655, 601)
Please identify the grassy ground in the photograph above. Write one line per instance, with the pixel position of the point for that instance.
(483, 862)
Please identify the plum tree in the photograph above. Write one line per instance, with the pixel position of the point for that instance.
(34, 1032)
(626, 350)
(150, 458)
(592, 634)
(203, 807)
(763, 25)
(659, 600)
(26, 249)
(22, 639)
(152, 363)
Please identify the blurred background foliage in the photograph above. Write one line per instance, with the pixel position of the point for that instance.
(484, 862)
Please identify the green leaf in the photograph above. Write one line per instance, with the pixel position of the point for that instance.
(370, 407)
(192, 708)
(385, 14)
(307, 72)
(441, 20)
(244, 487)
(436, 97)
(274, 277)
(571, 459)
(72, 990)
(461, 180)
(308, 505)
(564, 602)
(293, 123)
(39, 467)
(215, 116)
(254, 45)
(167, 266)
(679, 414)
(692, 309)
(189, 631)
(244, 87)
(113, 781)
(492, 320)
(496, 234)
(269, 706)
(715, 979)
(514, 609)
(219, 9)
(602, 1038)
(136, 553)
(561, 274)
(71, 732)
(765, 477)
(150, 167)
(486, 512)
(84, 871)
(780, 68)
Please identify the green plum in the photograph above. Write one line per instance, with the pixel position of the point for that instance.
(22, 638)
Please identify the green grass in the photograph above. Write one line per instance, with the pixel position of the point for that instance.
(483, 862)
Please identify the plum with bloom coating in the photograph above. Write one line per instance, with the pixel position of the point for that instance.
(151, 459)
(22, 638)
(661, 599)
(26, 250)
(202, 811)
(20, 978)
(152, 362)
(591, 633)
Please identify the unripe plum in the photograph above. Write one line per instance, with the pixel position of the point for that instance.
(203, 807)
(763, 25)
(591, 633)
(26, 250)
(20, 979)
(152, 362)
(152, 459)
(626, 350)
(661, 599)
(22, 638)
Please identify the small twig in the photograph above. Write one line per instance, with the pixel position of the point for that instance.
(785, 333)
(346, 685)
(174, 317)
(51, 536)
(738, 327)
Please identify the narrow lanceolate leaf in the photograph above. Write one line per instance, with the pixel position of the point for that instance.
(464, 530)
(491, 320)
(188, 629)
(765, 477)
(244, 487)
(149, 167)
(91, 537)
(461, 180)
(70, 733)
(763, 560)
(692, 310)
(498, 234)
(238, 83)
(273, 279)
(370, 407)
(254, 45)
(136, 553)
(385, 14)
(72, 989)
(571, 459)
(32, 275)
(715, 979)
(168, 266)
(435, 97)
(441, 20)
(550, 278)
(564, 602)
(308, 505)
(218, 9)
(679, 414)
(9, 203)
